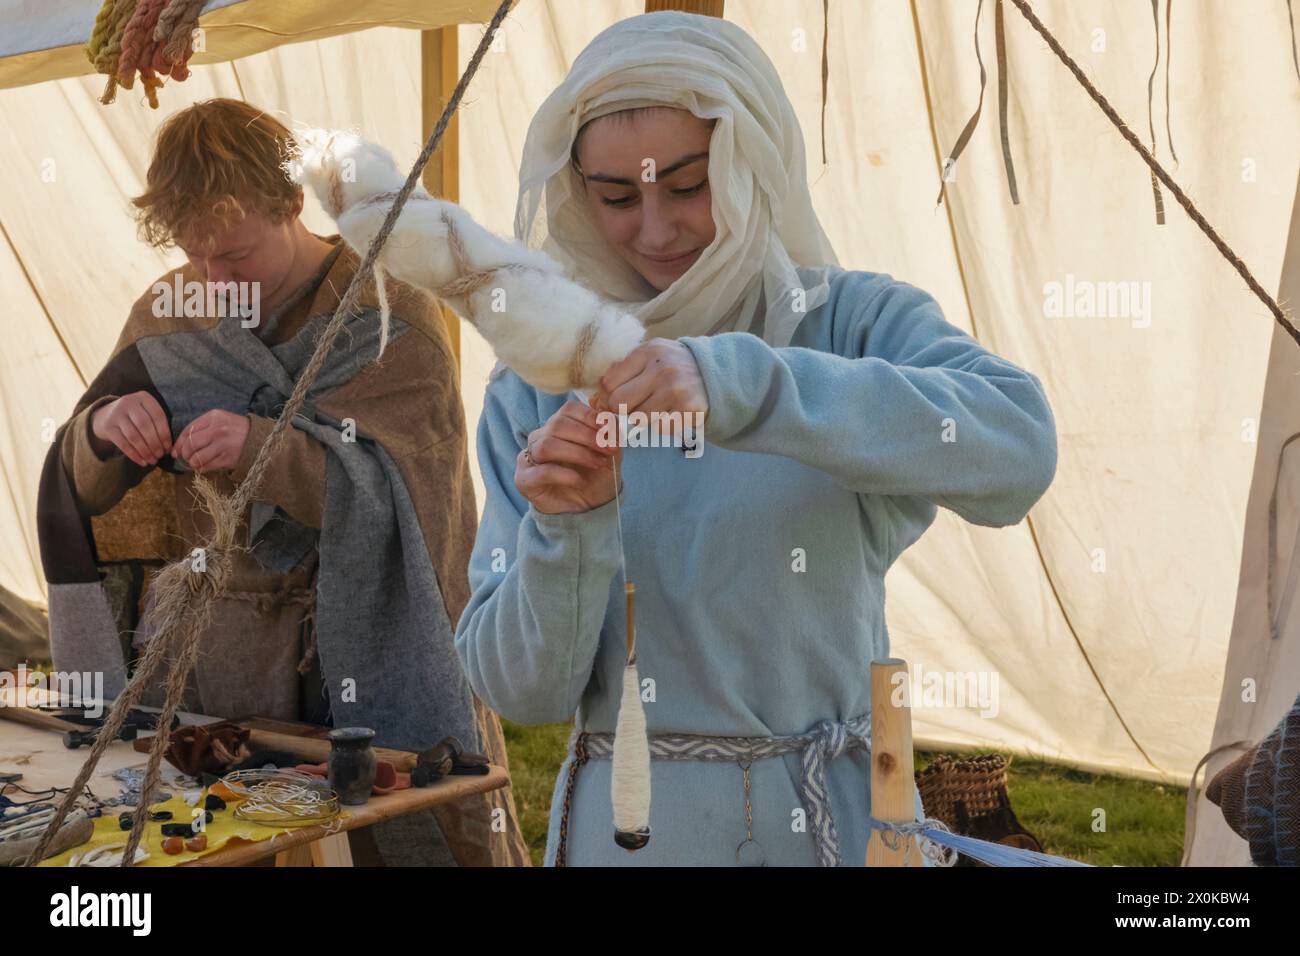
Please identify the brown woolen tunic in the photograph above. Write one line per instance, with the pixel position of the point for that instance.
(261, 636)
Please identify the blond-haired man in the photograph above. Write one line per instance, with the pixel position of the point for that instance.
(343, 608)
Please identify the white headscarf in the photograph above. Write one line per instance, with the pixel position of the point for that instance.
(762, 210)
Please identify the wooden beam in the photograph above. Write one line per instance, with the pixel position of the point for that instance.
(708, 8)
(439, 72)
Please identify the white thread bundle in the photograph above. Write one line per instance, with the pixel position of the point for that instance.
(105, 856)
(554, 333)
(385, 313)
(630, 775)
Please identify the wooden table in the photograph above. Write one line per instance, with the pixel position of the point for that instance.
(39, 755)
(327, 844)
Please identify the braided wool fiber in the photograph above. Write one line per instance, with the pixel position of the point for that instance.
(174, 37)
(178, 15)
(111, 50)
(153, 38)
(136, 39)
(105, 48)
(99, 35)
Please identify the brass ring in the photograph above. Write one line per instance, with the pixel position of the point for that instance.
(528, 455)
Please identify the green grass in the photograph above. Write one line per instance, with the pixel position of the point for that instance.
(535, 757)
(1143, 821)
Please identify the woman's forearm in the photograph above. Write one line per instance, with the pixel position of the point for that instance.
(912, 406)
(529, 635)
(540, 585)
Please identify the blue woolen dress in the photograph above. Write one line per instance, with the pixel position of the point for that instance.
(759, 565)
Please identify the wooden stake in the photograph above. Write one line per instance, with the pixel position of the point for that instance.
(709, 8)
(893, 786)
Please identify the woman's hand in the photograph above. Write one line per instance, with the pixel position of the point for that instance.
(660, 375)
(564, 470)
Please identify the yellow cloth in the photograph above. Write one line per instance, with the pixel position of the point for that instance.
(224, 827)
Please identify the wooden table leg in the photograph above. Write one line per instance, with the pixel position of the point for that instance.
(295, 856)
(332, 850)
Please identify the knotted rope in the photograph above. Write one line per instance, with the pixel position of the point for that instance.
(184, 596)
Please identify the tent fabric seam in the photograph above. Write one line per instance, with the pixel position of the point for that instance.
(41, 301)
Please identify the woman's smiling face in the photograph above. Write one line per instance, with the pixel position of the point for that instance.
(645, 173)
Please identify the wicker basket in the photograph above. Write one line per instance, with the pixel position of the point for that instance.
(970, 796)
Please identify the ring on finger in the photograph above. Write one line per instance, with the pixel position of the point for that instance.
(528, 454)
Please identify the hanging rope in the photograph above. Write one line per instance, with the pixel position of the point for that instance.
(1183, 200)
(826, 69)
(1295, 58)
(1000, 44)
(1169, 62)
(1151, 120)
(1000, 47)
(971, 123)
(184, 596)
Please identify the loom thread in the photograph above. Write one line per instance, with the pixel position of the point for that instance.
(935, 838)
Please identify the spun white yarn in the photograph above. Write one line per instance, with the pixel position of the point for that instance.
(533, 316)
(630, 776)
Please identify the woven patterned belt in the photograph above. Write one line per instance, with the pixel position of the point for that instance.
(826, 741)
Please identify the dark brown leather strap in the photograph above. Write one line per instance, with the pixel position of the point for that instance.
(1000, 35)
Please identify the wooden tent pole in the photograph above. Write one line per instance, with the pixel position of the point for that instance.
(439, 66)
(708, 8)
(893, 785)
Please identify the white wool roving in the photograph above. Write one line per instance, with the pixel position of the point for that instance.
(554, 333)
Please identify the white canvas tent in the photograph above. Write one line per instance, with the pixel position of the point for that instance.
(1106, 615)
(1261, 677)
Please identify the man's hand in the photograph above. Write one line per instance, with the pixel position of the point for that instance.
(660, 375)
(136, 425)
(564, 469)
(213, 441)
